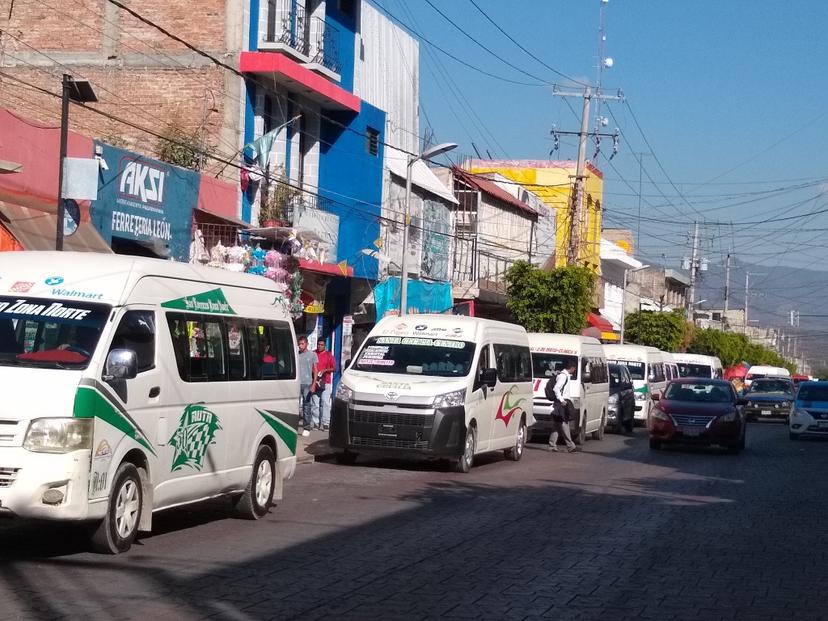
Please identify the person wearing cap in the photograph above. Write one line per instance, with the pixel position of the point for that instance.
(325, 368)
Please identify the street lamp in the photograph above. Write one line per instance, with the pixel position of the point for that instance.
(624, 298)
(425, 156)
(79, 91)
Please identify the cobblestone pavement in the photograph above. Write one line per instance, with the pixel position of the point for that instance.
(617, 532)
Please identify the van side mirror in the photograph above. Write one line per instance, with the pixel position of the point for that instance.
(347, 364)
(488, 377)
(121, 364)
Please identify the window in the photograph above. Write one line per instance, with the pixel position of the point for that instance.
(136, 331)
(199, 347)
(549, 365)
(348, 7)
(416, 356)
(236, 349)
(372, 140)
(483, 364)
(514, 363)
(599, 371)
(272, 352)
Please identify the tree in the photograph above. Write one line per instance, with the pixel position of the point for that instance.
(666, 331)
(180, 147)
(732, 348)
(549, 301)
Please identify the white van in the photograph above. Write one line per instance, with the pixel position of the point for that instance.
(435, 385)
(132, 385)
(699, 365)
(759, 371)
(551, 353)
(671, 369)
(646, 367)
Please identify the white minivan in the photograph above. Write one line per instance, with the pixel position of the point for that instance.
(132, 385)
(437, 386)
(589, 387)
(698, 365)
(646, 367)
(758, 371)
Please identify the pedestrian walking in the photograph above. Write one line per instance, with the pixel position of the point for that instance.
(307, 362)
(325, 368)
(562, 408)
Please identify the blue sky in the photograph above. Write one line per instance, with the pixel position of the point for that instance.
(715, 85)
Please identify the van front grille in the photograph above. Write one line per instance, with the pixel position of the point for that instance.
(8, 476)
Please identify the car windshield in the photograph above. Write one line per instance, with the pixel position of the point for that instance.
(637, 369)
(698, 393)
(548, 364)
(37, 332)
(771, 385)
(687, 369)
(416, 356)
(813, 393)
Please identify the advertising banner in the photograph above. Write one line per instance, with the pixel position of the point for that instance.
(146, 201)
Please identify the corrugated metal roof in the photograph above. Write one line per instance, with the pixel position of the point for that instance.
(422, 177)
(492, 189)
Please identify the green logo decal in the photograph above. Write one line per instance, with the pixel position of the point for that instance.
(196, 432)
(208, 302)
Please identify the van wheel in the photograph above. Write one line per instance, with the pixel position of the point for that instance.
(516, 452)
(119, 528)
(580, 439)
(258, 495)
(346, 458)
(599, 433)
(464, 464)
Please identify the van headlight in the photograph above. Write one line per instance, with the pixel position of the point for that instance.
(612, 401)
(59, 435)
(452, 399)
(344, 393)
(640, 396)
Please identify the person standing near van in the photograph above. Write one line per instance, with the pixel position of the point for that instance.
(307, 362)
(326, 365)
(562, 408)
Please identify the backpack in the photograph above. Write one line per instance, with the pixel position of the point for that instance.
(550, 385)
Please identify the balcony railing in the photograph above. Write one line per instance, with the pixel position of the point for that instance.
(310, 38)
(486, 270)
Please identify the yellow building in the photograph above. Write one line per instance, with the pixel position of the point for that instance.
(553, 182)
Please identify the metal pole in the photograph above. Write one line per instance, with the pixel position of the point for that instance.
(406, 224)
(727, 285)
(64, 139)
(624, 305)
(747, 295)
(577, 212)
(694, 270)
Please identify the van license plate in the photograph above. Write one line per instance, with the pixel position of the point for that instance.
(766, 412)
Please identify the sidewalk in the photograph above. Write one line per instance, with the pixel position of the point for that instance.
(313, 447)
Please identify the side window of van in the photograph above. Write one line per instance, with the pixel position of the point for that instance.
(483, 364)
(199, 347)
(271, 350)
(236, 349)
(136, 331)
(600, 375)
(514, 363)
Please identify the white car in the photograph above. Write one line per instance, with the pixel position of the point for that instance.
(809, 416)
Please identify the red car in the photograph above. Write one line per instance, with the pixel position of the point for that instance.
(698, 411)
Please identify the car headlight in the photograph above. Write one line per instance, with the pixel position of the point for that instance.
(730, 417)
(785, 404)
(451, 399)
(661, 415)
(343, 392)
(751, 404)
(798, 412)
(640, 396)
(613, 400)
(58, 435)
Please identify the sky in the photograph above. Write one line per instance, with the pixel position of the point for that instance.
(730, 101)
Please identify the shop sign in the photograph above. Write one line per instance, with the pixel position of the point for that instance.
(145, 200)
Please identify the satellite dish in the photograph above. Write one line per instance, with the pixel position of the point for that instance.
(608, 63)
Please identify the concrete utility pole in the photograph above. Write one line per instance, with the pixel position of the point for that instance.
(577, 206)
(694, 268)
(747, 295)
(727, 285)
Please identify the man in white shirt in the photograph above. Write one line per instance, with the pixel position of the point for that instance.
(561, 409)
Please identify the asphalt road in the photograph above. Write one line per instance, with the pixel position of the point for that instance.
(616, 532)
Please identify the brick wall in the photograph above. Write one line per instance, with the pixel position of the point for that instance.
(139, 74)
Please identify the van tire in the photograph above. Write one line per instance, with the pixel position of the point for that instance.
(345, 458)
(257, 498)
(516, 452)
(115, 534)
(580, 439)
(598, 434)
(464, 464)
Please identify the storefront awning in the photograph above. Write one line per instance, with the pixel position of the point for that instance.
(35, 230)
(601, 324)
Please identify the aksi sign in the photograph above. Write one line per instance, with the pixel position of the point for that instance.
(141, 181)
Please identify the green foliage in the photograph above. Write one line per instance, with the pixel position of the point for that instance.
(550, 301)
(663, 330)
(732, 348)
(179, 147)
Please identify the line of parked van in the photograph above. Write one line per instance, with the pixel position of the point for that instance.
(454, 387)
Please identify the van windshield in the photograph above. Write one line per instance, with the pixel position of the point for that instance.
(637, 369)
(548, 365)
(39, 332)
(416, 356)
(687, 369)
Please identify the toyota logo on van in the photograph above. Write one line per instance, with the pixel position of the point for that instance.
(392, 396)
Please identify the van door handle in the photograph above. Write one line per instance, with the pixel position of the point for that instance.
(154, 392)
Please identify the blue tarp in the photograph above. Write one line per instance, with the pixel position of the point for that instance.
(423, 297)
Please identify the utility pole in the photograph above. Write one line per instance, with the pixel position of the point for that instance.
(694, 267)
(577, 206)
(727, 284)
(747, 296)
